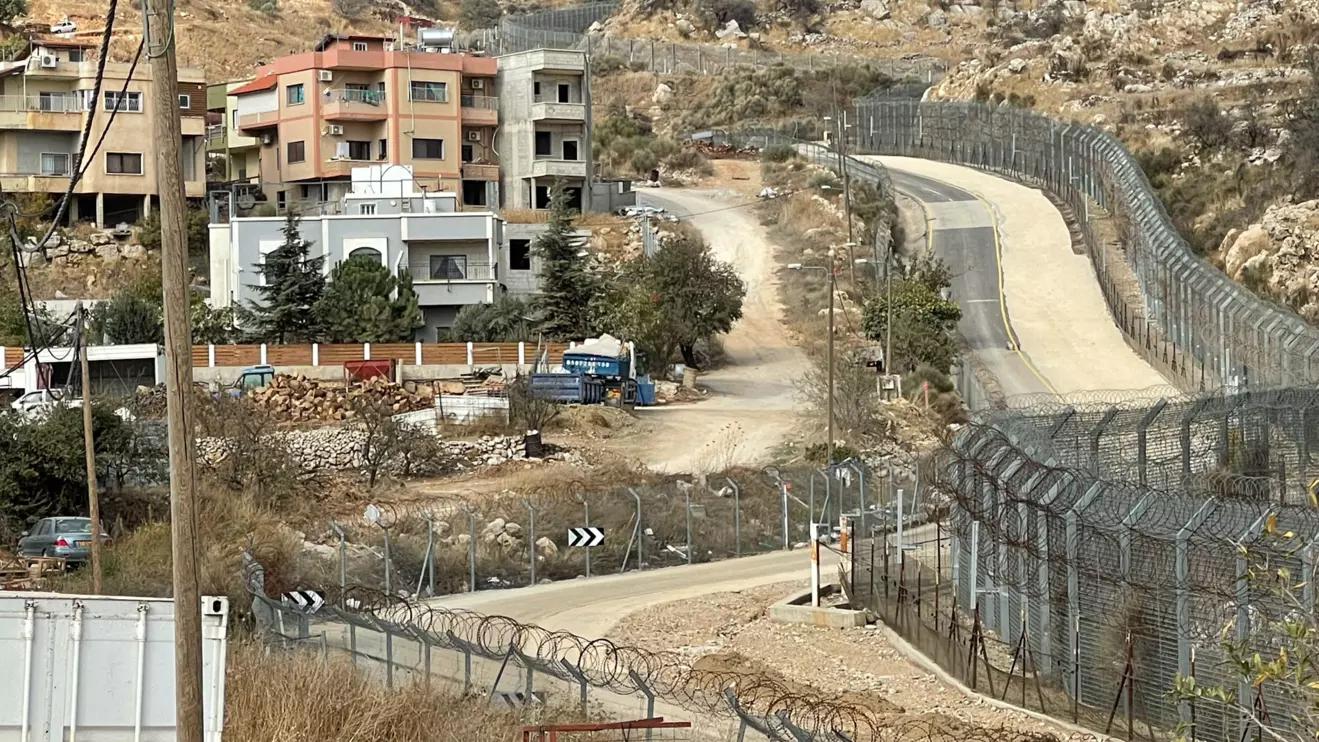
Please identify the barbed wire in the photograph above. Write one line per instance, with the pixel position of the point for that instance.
(629, 670)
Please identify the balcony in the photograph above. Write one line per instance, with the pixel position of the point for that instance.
(50, 112)
(339, 166)
(34, 183)
(472, 171)
(547, 168)
(480, 110)
(214, 132)
(355, 105)
(547, 108)
(260, 120)
(455, 269)
(557, 61)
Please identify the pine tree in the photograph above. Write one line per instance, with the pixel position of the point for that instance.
(364, 303)
(568, 288)
(293, 286)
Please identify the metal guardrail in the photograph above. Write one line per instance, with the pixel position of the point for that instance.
(479, 101)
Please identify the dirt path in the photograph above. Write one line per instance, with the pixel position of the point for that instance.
(752, 398)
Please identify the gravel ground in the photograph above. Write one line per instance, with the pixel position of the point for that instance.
(734, 628)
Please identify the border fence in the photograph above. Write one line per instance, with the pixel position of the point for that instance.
(567, 28)
(1095, 551)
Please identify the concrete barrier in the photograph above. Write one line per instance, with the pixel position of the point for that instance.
(797, 608)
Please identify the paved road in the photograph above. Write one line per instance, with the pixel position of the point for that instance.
(961, 231)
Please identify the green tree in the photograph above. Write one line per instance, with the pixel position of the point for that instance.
(365, 303)
(11, 9)
(474, 14)
(504, 321)
(568, 287)
(674, 299)
(128, 318)
(291, 291)
(212, 326)
(197, 229)
(923, 321)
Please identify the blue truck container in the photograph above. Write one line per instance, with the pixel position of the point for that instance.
(570, 388)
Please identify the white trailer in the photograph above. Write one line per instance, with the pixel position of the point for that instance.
(92, 669)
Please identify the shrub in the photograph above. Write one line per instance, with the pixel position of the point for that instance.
(1206, 123)
(608, 64)
(720, 12)
(350, 9)
(11, 9)
(689, 159)
(269, 7)
(778, 153)
(479, 13)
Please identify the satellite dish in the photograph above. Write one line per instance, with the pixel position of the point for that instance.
(372, 514)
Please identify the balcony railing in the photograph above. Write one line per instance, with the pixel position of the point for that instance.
(447, 271)
(215, 131)
(356, 95)
(44, 103)
(480, 101)
(261, 118)
(553, 98)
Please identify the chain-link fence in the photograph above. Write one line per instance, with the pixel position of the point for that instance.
(452, 544)
(1181, 314)
(567, 28)
(1095, 550)
(527, 667)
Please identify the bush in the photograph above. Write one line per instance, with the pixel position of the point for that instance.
(269, 7)
(11, 9)
(778, 153)
(350, 9)
(473, 14)
(1206, 123)
(608, 64)
(720, 12)
(689, 159)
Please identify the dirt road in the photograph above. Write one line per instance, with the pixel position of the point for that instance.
(752, 398)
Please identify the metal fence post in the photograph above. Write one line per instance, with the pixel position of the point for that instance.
(1182, 575)
(531, 536)
(636, 534)
(687, 501)
(471, 546)
(343, 562)
(586, 523)
(737, 517)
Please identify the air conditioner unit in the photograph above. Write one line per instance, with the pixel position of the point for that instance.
(478, 85)
(267, 138)
(49, 61)
(473, 136)
(334, 130)
(324, 75)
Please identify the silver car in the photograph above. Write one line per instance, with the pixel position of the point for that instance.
(70, 538)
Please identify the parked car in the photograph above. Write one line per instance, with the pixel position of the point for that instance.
(69, 537)
(640, 210)
(39, 401)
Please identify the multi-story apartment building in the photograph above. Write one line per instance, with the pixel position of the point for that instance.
(545, 104)
(357, 100)
(451, 254)
(44, 102)
(237, 156)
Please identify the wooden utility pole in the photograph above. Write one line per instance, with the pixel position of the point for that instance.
(833, 289)
(89, 450)
(847, 193)
(160, 48)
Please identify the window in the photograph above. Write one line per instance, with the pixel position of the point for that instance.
(123, 163)
(384, 149)
(57, 102)
(570, 149)
(433, 92)
(366, 253)
(233, 125)
(281, 200)
(448, 266)
(76, 55)
(315, 191)
(428, 149)
(185, 101)
(474, 192)
(293, 94)
(128, 101)
(359, 150)
(565, 92)
(54, 164)
(467, 153)
(360, 46)
(297, 151)
(541, 198)
(366, 209)
(519, 255)
(535, 88)
(544, 146)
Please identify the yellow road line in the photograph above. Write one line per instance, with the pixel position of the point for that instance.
(1015, 347)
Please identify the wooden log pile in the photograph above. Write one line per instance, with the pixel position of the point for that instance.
(299, 399)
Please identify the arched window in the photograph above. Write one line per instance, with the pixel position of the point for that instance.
(368, 253)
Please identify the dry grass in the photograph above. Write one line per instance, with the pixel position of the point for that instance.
(301, 696)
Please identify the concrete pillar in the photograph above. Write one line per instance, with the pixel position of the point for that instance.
(73, 210)
(146, 206)
(100, 211)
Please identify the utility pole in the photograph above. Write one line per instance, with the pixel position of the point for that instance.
(847, 190)
(833, 288)
(158, 16)
(89, 451)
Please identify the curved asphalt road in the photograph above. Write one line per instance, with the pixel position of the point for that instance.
(960, 229)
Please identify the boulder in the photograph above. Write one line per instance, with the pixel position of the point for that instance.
(730, 32)
(936, 18)
(663, 94)
(546, 547)
(1017, 66)
(1252, 242)
(877, 9)
(512, 529)
(132, 252)
(507, 541)
(108, 253)
(685, 27)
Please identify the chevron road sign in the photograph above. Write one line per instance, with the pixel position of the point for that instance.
(588, 536)
(307, 600)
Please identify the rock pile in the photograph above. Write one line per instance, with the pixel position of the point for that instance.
(1279, 255)
(299, 399)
